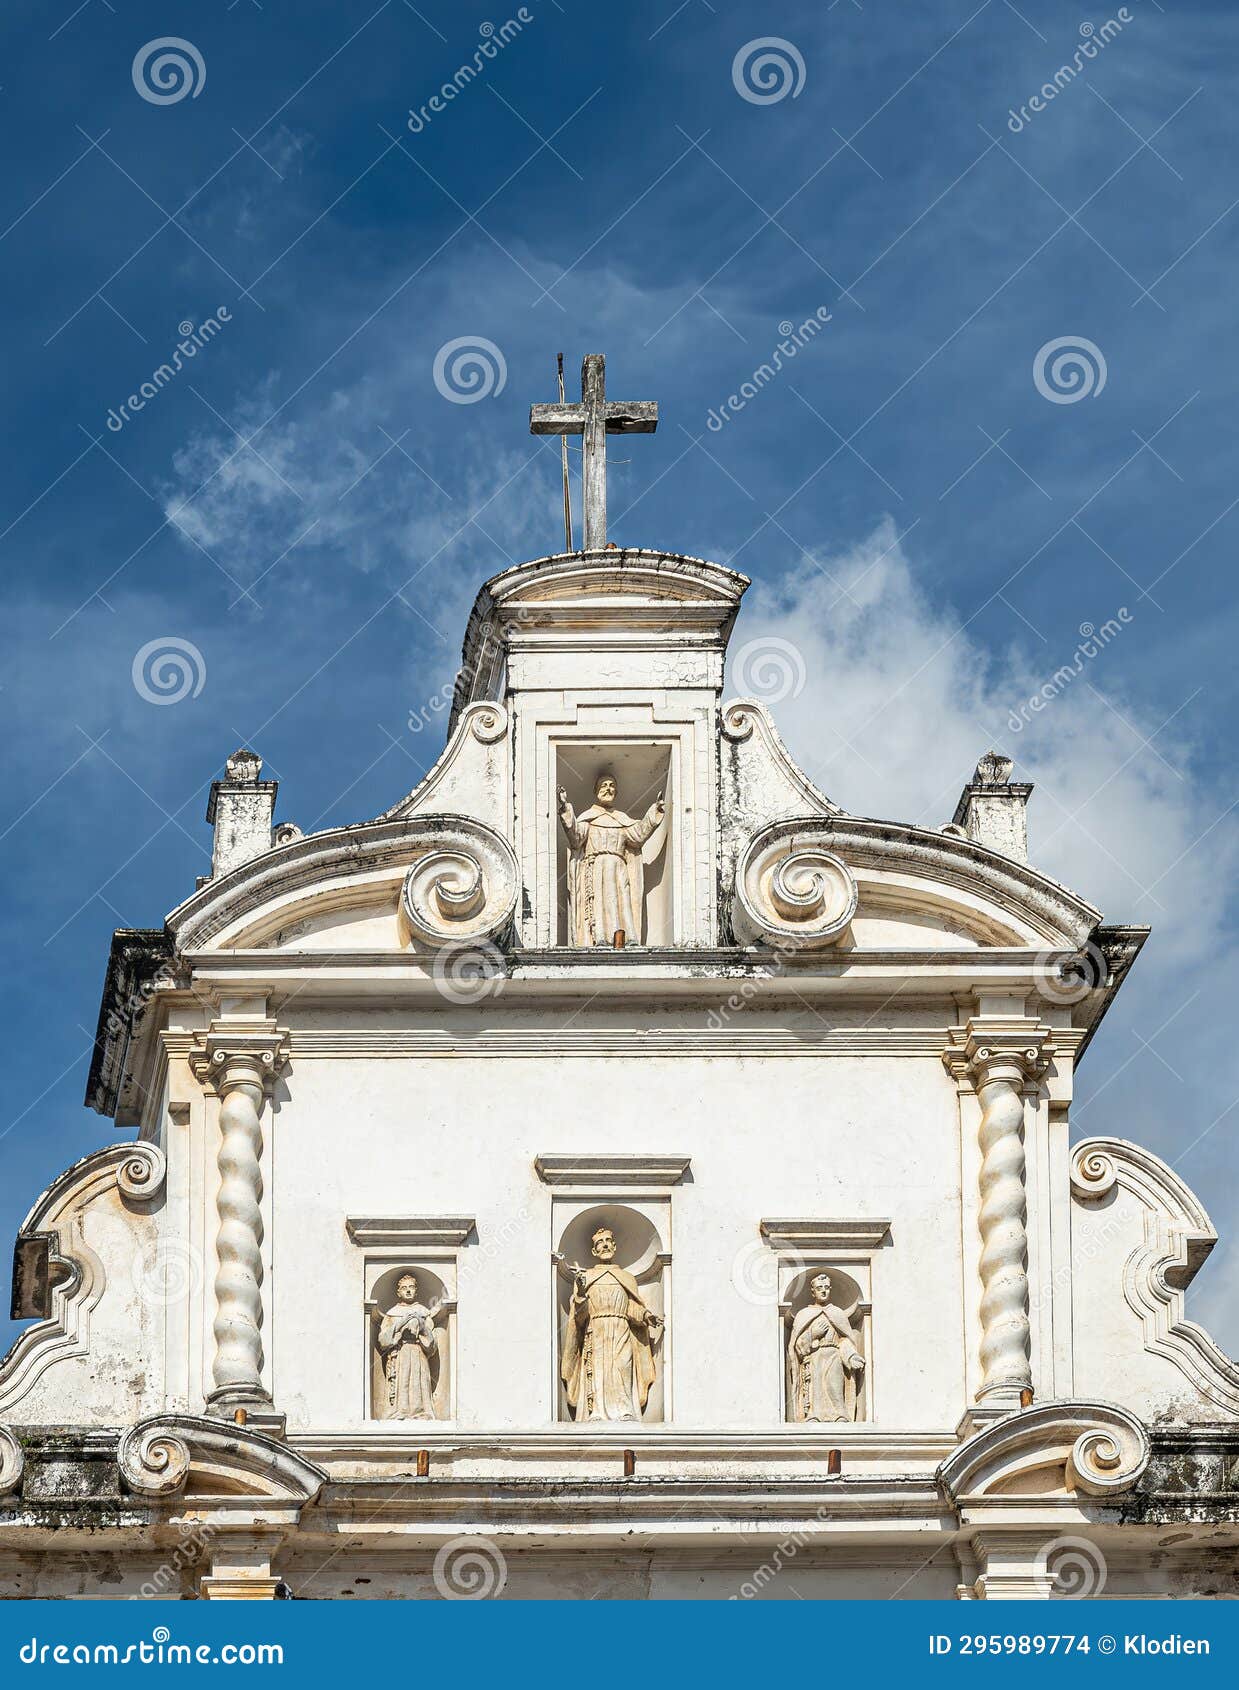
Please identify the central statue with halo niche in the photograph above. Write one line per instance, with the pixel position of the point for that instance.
(606, 870)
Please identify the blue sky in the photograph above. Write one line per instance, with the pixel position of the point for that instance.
(929, 514)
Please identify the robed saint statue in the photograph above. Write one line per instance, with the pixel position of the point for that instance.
(414, 1364)
(824, 1364)
(606, 870)
(610, 1337)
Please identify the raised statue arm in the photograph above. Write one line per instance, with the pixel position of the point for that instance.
(573, 831)
(651, 821)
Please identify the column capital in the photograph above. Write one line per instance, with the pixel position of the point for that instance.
(1007, 1048)
(227, 1056)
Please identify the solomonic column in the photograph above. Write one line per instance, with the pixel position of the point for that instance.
(1001, 1060)
(240, 1065)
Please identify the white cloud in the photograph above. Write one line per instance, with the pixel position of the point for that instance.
(898, 700)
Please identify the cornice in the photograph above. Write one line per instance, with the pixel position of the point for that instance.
(575, 1169)
(410, 1231)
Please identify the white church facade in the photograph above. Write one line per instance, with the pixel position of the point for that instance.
(614, 1171)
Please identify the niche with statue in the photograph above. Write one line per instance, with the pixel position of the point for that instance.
(611, 1292)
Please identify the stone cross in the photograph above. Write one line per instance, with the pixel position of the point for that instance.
(593, 419)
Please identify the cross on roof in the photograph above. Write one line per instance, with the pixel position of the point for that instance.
(593, 419)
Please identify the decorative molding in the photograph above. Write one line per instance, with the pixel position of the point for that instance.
(71, 1275)
(485, 724)
(338, 854)
(159, 1456)
(790, 890)
(12, 1463)
(608, 1169)
(737, 1038)
(1099, 1449)
(411, 1232)
(1178, 1236)
(463, 885)
(589, 595)
(143, 1174)
(830, 1237)
(1056, 915)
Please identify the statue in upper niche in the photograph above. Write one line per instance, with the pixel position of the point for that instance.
(823, 1362)
(606, 872)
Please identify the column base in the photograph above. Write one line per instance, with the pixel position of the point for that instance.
(995, 1406)
(245, 1407)
(241, 1569)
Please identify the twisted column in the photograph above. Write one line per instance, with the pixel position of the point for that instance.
(1000, 1070)
(240, 1065)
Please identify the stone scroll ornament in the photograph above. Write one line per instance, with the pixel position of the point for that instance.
(462, 889)
(791, 891)
(12, 1462)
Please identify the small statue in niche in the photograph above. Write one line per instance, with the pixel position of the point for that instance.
(606, 871)
(411, 1346)
(608, 1354)
(824, 1364)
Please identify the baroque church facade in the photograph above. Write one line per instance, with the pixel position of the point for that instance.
(614, 1171)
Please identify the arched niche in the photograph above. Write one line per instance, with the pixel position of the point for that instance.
(849, 1299)
(639, 1252)
(389, 1393)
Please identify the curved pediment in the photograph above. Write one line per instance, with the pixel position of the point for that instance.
(813, 881)
(453, 880)
(191, 1455)
(1093, 1450)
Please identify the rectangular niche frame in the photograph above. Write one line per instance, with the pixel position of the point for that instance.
(814, 1244)
(388, 1242)
(580, 1181)
(676, 736)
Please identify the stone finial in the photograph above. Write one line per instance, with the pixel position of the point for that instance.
(240, 810)
(991, 808)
